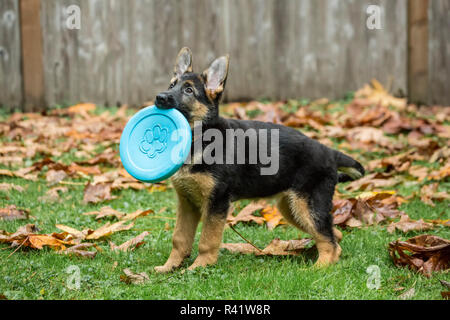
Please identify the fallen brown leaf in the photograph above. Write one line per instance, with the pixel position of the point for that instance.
(440, 174)
(445, 223)
(105, 212)
(108, 229)
(82, 107)
(429, 193)
(272, 216)
(134, 278)
(110, 212)
(81, 250)
(445, 283)
(8, 186)
(419, 172)
(246, 214)
(424, 253)
(373, 181)
(53, 195)
(406, 224)
(136, 214)
(23, 173)
(281, 247)
(108, 157)
(55, 176)
(97, 193)
(367, 136)
(77, 235)
(369, 208)
(13, 213)
(276, 247)
(409, 294)
(11, 161)
(75, 168)
(398, 163)
(132, 243)
(26, 236)
(378, 95)
(38, 241)
(6, 172)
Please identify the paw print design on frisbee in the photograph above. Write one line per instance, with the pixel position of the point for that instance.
(154, 141)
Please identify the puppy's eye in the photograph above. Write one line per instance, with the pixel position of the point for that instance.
(188, 90)
(172, 85)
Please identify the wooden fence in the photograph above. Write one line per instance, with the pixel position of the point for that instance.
(125, 50)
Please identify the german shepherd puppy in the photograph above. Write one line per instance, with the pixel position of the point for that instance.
(304, 183)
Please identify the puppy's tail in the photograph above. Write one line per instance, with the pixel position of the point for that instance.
(348, 168)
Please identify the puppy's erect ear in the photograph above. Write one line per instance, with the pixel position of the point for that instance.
(184, 62)
(216, 76)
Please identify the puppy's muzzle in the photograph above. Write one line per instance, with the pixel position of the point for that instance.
(165, 100)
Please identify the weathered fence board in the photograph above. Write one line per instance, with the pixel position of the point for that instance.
(418, 50)
(439, 52)
(280, 49)
(10, 58)
(313, 48)
(32, 55)
(124, 51)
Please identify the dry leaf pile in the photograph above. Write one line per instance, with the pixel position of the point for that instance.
(369, 208)
(27, 236)
(73, 241)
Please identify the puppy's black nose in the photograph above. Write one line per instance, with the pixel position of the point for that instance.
(165, 100)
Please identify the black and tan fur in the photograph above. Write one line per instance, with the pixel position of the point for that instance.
(304, 184)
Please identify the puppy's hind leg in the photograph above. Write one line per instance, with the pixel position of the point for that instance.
(188, 217)
(337, 234)
(284, 205)
(290, 216)
(315, 220)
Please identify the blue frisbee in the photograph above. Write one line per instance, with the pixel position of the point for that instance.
(155, 143)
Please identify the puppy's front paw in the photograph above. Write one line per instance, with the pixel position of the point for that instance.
(164, 269)
(202, 262)
(328, 258)
(195, 266)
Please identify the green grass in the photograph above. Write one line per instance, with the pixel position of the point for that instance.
(31, 274)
